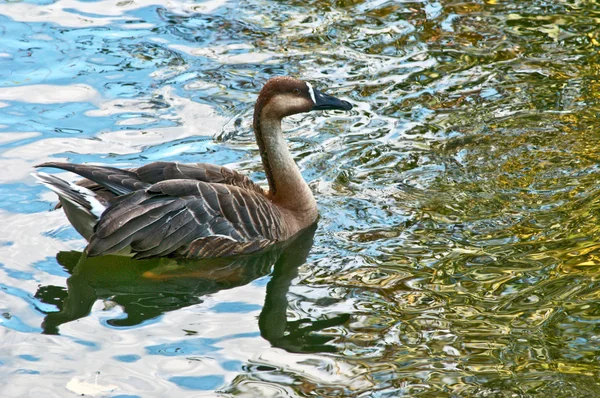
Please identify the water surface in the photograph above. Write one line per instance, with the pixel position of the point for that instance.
(457, 252)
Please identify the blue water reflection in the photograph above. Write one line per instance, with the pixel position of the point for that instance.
(194, 346)
(206, 383)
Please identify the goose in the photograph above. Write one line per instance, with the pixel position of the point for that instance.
(198, 210)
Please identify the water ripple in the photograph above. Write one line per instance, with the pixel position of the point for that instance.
(456, 253)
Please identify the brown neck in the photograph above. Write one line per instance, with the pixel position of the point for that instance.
(287, 188)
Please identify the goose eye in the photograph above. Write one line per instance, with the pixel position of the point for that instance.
(297, 91)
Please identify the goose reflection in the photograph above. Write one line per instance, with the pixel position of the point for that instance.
(145, 289)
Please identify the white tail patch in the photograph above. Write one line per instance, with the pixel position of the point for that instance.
(311, 92)
(62, 187)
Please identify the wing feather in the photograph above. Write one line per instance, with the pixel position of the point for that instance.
(167, 226)
(118, 217)
(162, 208)
(173, 242)
(218, 246)
(123, 228)
(170, 215)
(118, 181)
(245, 222)
(258, 216)
(206, 172)
(110, 182)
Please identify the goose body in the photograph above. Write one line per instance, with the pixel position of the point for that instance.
(198, 210)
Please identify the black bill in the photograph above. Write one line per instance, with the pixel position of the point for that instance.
(325, 102)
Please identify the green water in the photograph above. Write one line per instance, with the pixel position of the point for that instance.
(457, 252)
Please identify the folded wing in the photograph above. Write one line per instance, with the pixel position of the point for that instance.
(200, 210)
(189, 218)
(110, 182)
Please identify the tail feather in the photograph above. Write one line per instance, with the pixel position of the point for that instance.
(81, 205)
(118, 181)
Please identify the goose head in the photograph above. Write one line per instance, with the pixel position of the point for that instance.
(281, 97)
(285, 96)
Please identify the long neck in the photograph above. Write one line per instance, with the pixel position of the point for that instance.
(286, 185)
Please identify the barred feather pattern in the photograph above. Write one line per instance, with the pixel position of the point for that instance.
(109, 182)
(194, 211)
